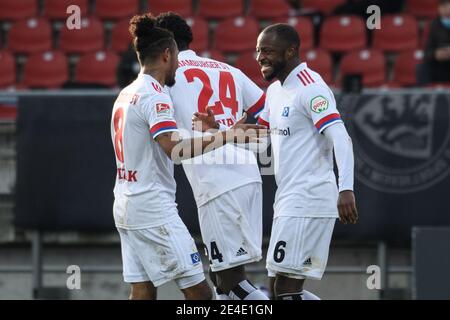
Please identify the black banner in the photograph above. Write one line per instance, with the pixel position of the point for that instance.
(65, 173)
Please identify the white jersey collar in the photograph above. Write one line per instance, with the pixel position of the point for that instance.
(292, 77)
(186, 54)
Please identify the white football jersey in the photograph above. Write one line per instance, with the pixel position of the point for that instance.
(297, 112)
(145, 187)
(202, 82)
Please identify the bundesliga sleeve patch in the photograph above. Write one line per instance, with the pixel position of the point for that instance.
(319, 104)
(162, 109)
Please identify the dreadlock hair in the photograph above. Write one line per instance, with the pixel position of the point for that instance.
(149, 40)
(178, 26)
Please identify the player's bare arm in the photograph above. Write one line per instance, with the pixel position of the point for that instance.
(180, 149)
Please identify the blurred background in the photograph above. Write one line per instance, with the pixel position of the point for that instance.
(57, 88)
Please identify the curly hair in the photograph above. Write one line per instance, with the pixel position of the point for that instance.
(149, 40)
(178, 26)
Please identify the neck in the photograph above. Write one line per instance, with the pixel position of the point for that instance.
(291, 65)
(156, 73)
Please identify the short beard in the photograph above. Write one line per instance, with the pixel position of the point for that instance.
(277, 68)
(170, 82)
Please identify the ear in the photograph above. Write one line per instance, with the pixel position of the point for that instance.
(291, 53)
(167, 54)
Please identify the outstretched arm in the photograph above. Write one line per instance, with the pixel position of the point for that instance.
(180, 149)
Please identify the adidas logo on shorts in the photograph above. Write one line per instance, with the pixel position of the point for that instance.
(241, 252)
(307, 262)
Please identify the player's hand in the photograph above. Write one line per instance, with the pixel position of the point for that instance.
(347, 207)
(204, 121)
(247, 133)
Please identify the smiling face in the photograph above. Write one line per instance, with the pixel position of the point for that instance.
(271, 55)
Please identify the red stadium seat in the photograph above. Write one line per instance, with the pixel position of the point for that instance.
(247, 64)
(97, 68)
(398, 32)
(236, 34)
(343, 33)
(116, 9)
(423, 8)
(46, 70)
(319, 61)
(269, 9)
(7, 69)
(182, 7)
(88, 39)
(305, 29)
(121, 37)
(405, 67)
(212, 54)
(18, 9)
(200, 31)
(219, 9)
(324, 6)
(368, 63)
(57, 9)
(425, 34)
(30, 36)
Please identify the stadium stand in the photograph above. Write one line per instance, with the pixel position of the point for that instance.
(221, 28)
(7, 69)
(87, 39)
(405, 67)
(46, 70)
(248, 64)
(399, 32)
(57, 9)
(200, 32)
(343, 33)
(269, 9)
(18, 9)
(182, 7)
(121, 38)
(97, 68)
(219, 9)
(370, 63)
(324, 6)
(236, 34)
(116, 9)
(320, 61)
(422, 8)
(31, 35)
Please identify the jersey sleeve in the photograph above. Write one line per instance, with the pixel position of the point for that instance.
(253, 96)
(159, 113)
(263, 118)
(320, 105)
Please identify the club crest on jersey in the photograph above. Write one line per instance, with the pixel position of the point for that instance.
(285, 112)
(319, 104)
(162, 108)
(195, 257)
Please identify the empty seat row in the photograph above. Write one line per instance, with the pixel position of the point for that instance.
(210, 9)
(337, 34)
(50, 69)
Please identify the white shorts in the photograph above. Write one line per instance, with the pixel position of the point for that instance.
(299, 247)
(231, 227)
(161, 254)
